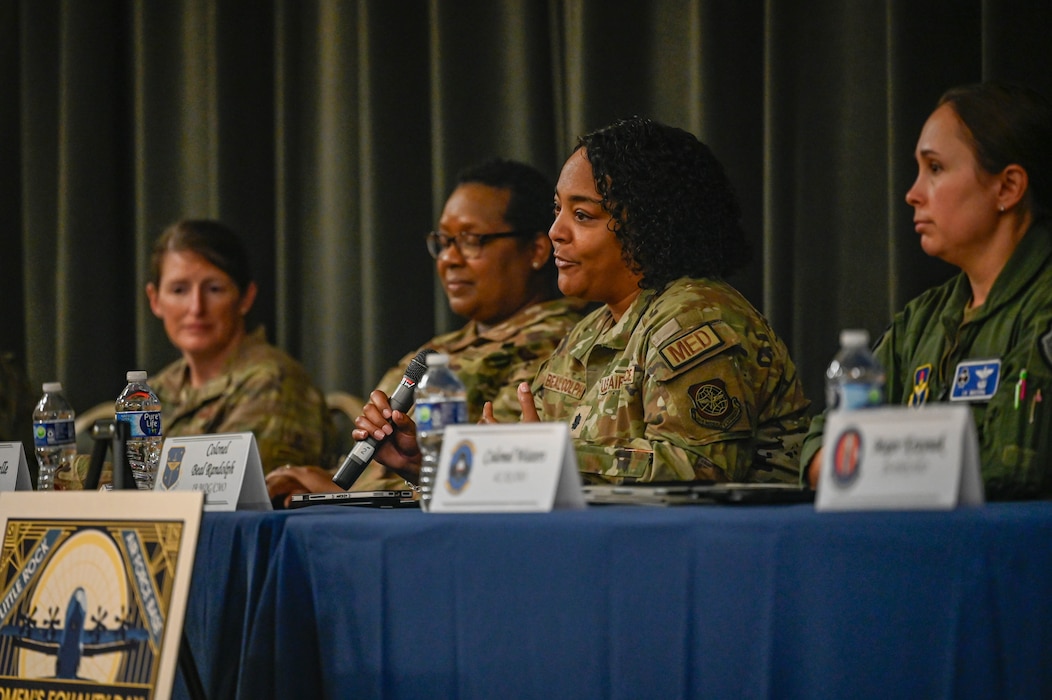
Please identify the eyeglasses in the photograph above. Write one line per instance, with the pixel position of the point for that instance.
(468, 244)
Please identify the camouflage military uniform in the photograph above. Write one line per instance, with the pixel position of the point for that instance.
(491, 364)
(923, 350)
(261, 390)
(691, 383)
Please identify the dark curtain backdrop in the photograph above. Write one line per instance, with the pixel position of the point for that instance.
(327, 132)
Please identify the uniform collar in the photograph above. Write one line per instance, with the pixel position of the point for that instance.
(1030, 257)
(611, 334)
(192, 398)
(510, 327)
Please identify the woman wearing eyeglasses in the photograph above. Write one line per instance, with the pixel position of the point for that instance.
(494, 260)
(676, 376)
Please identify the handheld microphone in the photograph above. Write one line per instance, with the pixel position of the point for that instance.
(401, 400)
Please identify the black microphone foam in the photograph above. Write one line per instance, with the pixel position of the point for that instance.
(401, 400)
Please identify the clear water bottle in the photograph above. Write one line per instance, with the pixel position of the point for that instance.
(854, 379)
(54, 436)
(140, 408)
(441, 400)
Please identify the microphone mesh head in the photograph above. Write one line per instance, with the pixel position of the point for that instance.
(418, 365)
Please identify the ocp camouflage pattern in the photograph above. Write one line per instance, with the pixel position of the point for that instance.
(690, 384)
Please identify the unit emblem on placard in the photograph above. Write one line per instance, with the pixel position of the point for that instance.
(460, 463)
(172, 466)
(847, 458)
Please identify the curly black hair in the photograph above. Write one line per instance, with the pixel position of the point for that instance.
(673, 207)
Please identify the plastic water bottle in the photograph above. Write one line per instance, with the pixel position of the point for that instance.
(441, 400)
(54, 435)
(854, 379)
(140, 408)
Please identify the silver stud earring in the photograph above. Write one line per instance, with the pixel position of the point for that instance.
(536, 265)
(1001, 208)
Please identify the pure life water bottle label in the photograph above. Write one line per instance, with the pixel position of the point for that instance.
(142, 423)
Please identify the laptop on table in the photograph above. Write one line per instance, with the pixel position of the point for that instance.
(366, 499)
(695, 493)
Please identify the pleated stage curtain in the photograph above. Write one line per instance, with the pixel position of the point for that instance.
(328, 132)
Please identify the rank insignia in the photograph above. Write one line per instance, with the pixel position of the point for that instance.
(975, 380)
(920, 393)
(713, 406)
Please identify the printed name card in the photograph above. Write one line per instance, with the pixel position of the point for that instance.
(899, 458)
(224, 467)
(14, 469)
(514, 467)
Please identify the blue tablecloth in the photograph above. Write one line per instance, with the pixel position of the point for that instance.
(626, 602)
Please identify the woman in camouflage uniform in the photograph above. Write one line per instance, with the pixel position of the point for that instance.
(676, 376)
(493, 257)
(229, 379)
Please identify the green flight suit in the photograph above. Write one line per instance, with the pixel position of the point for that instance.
(923, 350)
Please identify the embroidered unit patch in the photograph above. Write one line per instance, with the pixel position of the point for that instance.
(921, 377)
(713, 406)
(975, 380)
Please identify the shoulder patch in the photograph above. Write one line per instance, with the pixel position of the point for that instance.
(699, 342)
(713, 406)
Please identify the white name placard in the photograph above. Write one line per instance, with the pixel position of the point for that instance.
(899, 458)
(225, 467)
(14, 469)
(512, 467)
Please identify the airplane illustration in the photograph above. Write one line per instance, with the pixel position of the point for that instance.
(73, 640)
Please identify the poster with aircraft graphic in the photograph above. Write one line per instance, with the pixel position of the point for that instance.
(93, 591)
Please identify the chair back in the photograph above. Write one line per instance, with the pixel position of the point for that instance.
(85, 420)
